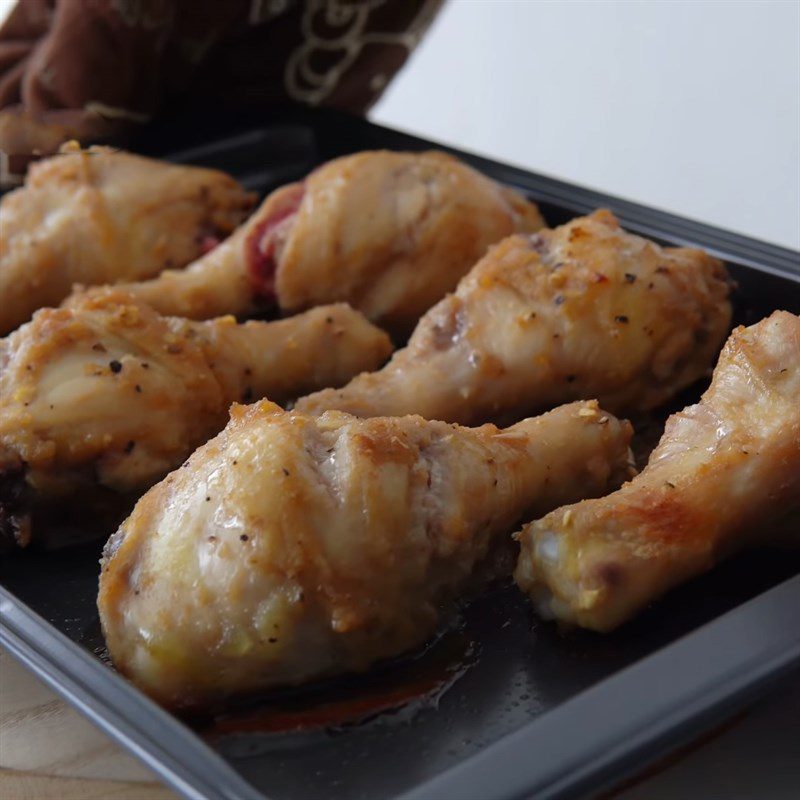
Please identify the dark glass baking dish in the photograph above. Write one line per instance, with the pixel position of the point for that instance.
(505, 706)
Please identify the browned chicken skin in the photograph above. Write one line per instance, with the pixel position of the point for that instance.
(107, 394)
(292, 547)
(725, 471)
(585, 310)
(234, 278)
(102, 216)
(390, 233)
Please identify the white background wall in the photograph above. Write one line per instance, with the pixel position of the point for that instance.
(692, 106)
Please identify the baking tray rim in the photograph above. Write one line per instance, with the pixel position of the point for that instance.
(708, 691)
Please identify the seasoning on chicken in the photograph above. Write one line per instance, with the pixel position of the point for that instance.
(584, 310)
(292, 547)
(725, 472)
(102, 216)
(389, 233)
(108, 396)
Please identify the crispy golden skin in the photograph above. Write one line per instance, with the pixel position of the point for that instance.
(390, 233)
(585, 310)
(226, 280)
(109, 394)
(102, 216)
(291, 547)
(724, 472)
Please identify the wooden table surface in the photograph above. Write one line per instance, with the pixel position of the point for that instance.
(50, 752)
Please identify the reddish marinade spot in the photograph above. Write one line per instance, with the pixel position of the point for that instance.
(262, 244)
(208, 243)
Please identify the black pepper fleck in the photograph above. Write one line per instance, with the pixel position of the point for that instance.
(247, 394)
(630, 277)
(138, 388)
(285, 472)
(244, 537)
(671, 485)
(559, 299)
(622, 319)
(115, 366)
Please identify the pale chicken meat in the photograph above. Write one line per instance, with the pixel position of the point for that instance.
(107, 396)
(389, 233)
(292, 547)
(103, 216)
(725, 475)
(584, 310)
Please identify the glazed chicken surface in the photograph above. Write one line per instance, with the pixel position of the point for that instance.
(108, 394)
(584, 310)
(103, 216)
(291, 547)
(390, 233)
(725, 472)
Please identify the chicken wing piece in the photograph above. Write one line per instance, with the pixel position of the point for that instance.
(585, 310)
(103, 216)
(725, 470)
(291, 547)
(390, 233)
(109, 395)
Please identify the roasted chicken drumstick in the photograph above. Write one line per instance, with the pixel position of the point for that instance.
(390, 233)
(725, 471)
(585, 310)
(109, 395)
(102, 216)
(292, 547)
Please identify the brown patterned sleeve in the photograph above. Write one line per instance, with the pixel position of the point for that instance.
(96, 69)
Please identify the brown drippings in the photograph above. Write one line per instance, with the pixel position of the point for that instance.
(411, 684)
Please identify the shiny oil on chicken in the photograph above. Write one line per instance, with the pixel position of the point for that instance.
(389, 233)
(584, 310)
(725, 472)
(108, 395)
(291, 547)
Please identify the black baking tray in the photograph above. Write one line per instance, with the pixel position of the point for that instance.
(504, 706)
